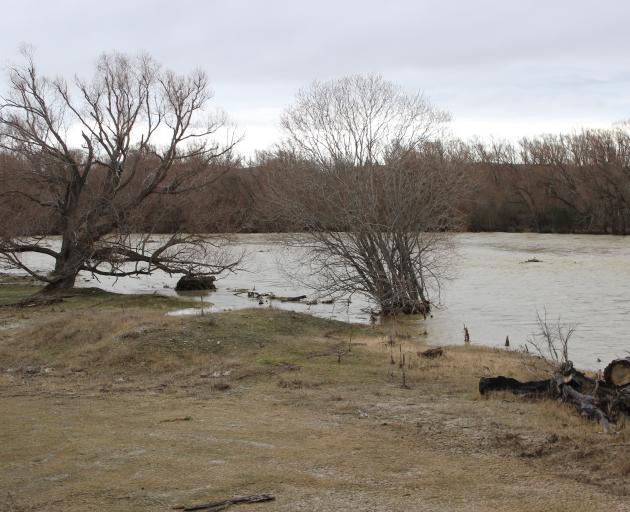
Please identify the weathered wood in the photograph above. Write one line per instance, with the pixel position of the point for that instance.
(586, 405)
(617, 373)
(181, 418)
(538, 387)
(619, 404)
(597, 400)
(215, 506)
(298, 298)
(577, 379)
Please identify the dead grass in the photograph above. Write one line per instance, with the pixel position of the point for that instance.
(93, 392)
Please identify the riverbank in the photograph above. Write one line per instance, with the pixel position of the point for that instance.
(493, 291)
(109, 404)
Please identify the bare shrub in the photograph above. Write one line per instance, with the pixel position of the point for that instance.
(375, 195)
(551, 342)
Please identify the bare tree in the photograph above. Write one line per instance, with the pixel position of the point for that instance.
(374, 194)
(359, 120)
(93, 152)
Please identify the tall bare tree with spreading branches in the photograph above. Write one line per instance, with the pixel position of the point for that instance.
(360, 120)
(93, 151)
(373, 189)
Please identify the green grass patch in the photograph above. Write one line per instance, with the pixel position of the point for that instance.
(108, 332)
(14, 289)
(10, 292)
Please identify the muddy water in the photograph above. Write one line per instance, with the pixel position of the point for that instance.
(584, 279)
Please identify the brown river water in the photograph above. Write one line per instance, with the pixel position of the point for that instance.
(583, 279)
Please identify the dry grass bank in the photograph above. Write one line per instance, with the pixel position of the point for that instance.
(108, 404)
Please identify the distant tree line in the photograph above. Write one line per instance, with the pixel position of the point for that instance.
(576, 183)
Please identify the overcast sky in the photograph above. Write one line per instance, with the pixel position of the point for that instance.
(501, 67)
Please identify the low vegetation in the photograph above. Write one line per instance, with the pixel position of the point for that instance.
(109, 403)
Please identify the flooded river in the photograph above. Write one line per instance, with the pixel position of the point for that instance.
(583, 279)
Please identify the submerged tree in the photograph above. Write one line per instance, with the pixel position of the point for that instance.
(91, 153)
(374, 192)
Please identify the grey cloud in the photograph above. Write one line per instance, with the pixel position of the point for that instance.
(539, 61)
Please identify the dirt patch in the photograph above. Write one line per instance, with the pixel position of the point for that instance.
(122, 408)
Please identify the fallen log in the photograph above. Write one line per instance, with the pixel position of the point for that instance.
(617, 373)
(215, 506)
(588, 406)
(619, 403)
(180, 418)
(578, 380)
(298, 298)
(253, 294)
(617, 397)
(536, 387)
(594, 399)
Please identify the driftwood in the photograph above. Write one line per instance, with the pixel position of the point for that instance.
(215, 506)
(592, 398)
(291, 299)
(537, 387)
(587, 405)
(181, 418)
(617, 373)
(252, 294)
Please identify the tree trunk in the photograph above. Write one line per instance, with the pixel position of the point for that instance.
(405, 306)
(536, 387)
(594, 399)
(65, 282)
(586, 405)
(617, 373)
(67, 266)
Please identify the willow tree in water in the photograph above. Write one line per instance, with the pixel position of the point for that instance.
(373, 189)
(93, 152)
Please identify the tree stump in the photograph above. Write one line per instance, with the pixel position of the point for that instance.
(617, 373)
